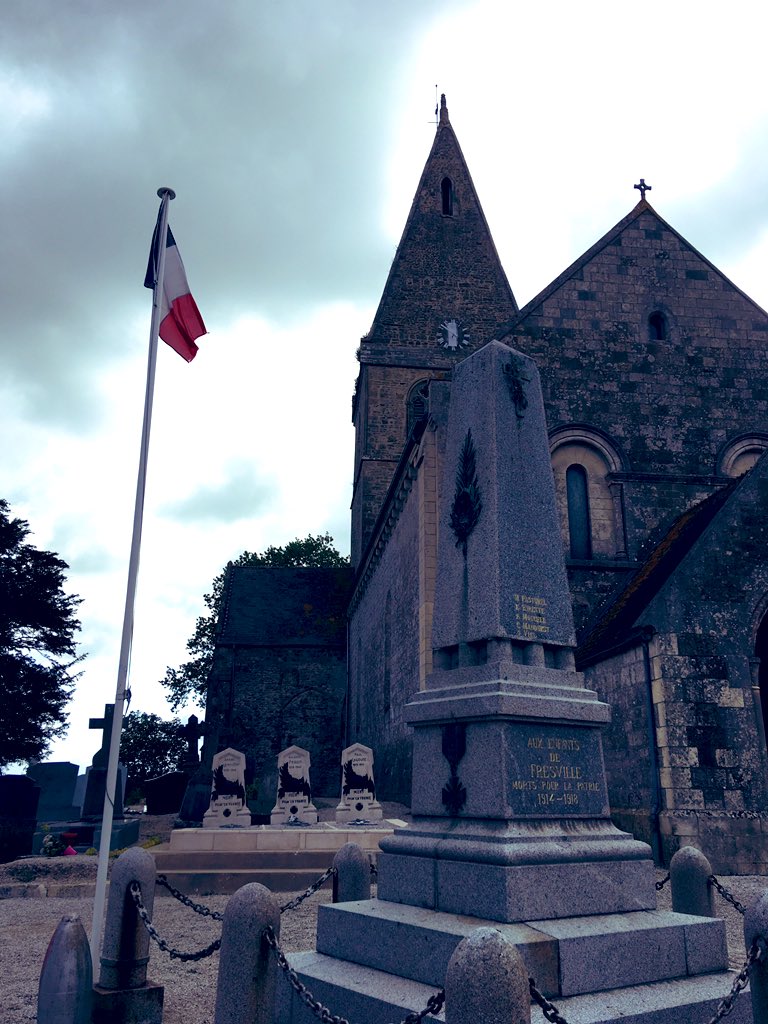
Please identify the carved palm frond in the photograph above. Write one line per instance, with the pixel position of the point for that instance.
(467, 504)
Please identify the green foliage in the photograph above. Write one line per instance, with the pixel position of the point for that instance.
(150, 747)
(37, 643)
(190, 679)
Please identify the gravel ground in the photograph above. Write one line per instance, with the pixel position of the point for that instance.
(26, 926)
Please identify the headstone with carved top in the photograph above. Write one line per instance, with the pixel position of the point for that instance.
(228, 807)
(294, 794)
(510, 807)
(358, 790)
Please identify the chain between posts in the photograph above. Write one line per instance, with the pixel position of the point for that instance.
(434, 1003)
(727, 896)
(660, 885)
(199, 908)
(177, 954)
(298, 900)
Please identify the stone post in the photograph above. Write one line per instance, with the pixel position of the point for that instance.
(65, 993)
(123, 994)
(756, 927)
(486, 981)
(248, 969)
(352, 880)
(692, 893)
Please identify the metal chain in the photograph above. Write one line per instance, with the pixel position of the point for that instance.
(660, 885)
(298, 900)
(135, 891)
(434, 1003)
(199, 908)
(740, 982)
(549, 1010)
(727, 896)
(374, 872)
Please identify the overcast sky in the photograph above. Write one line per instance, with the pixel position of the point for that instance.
(294, 133)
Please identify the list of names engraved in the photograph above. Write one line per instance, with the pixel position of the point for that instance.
(530, 616)
(556, 771)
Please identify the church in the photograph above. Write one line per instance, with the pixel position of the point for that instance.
(654, 373)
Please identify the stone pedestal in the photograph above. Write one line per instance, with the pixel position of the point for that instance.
(510, 813)
(511, 822)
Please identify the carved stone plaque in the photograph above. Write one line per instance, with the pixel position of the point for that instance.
(556, 772)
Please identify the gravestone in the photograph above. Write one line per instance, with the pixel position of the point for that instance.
(228, 805)
(96, 780)
(19, 797)
(165, 793)
(192, 733)
(294, 795)
(57, 781)
(358, 790)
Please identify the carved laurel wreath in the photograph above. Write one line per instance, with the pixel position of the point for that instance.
(467, 505)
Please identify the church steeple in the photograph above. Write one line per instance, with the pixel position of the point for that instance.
(445, 295)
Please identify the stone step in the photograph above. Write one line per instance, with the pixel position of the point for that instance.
(168, 859)
(566, 957)
(363, 993)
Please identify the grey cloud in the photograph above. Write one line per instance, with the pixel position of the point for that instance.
(240, 497)
(271, 122)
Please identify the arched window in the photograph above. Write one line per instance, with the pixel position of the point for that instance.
(590, 501)
(418, 404)
(579, 523)
(740, 454)
(657, 326)
(446, 189)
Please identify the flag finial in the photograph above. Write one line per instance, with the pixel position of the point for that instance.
(164, 191)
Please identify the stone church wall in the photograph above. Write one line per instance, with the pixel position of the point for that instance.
(622, 682)
(384, 653)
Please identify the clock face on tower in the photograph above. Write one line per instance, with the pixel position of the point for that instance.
(453, 335)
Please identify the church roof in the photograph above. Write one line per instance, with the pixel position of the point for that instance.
(616, 625)
(266, 606)
(446, 265)
(608, 239)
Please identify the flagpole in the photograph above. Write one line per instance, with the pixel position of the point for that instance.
(165, 194)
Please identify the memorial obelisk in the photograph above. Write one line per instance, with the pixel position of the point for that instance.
(511, 817)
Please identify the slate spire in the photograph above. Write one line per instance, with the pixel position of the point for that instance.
(445, 295)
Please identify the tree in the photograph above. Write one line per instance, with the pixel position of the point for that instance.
(37, 643)
(150, 746)
(189, 680)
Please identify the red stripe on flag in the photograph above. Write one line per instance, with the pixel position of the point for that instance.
(181, 326)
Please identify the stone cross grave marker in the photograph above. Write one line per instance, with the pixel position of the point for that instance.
(96, 781)
(358, 790)
(228, 805)
(294, 795)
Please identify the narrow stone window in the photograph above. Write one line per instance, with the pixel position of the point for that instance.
(446, 188)
(761, 653)
(418, 404)
(657, 327)
(388, 653)
(577, 497)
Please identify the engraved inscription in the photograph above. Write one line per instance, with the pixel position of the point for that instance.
(530, 616)
(556, 771)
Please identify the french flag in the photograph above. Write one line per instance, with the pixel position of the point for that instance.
(180, 320)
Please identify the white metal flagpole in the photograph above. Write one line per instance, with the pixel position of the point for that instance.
(166, 194)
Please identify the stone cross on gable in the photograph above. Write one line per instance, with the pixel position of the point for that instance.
(643, 187)
(101, 757)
